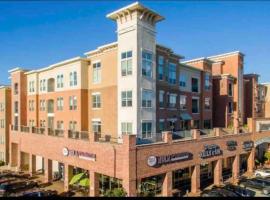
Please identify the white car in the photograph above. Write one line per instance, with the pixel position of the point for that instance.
(262, 172)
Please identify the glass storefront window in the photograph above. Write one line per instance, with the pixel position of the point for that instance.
(152, 186)
(182, 179)
(108, 183)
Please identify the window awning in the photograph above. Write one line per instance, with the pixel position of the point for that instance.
(185, 116)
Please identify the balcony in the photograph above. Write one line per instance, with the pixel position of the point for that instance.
(83, 135)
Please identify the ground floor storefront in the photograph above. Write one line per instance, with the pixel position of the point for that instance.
(168, 168)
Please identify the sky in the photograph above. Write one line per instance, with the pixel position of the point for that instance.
(36, 34)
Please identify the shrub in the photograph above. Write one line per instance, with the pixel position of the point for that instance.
(116, 192)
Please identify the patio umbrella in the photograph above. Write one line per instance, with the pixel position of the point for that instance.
(84, 182)
(76, 178)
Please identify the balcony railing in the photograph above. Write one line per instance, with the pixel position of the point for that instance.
(83, 135)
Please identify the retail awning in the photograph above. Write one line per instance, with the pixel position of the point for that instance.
(185, 116)
(76, 178)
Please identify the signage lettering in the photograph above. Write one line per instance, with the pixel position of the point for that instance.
(210, 151)
(248, 145)
(79, 154)
(157, 161)
(231, 145)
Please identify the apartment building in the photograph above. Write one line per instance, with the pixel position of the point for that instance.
(265, 95)
(89, 112)
(5, 113)
(254, 95)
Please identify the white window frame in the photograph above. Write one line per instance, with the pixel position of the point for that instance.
(149, 98)
(96, 77)
(126, 61)
(148, 62)
(147, 134)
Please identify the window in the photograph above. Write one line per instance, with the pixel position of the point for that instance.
(97, 72)
(207, 105)
(172, 73)
(195, 85)
(196, 124)
(172, 100)
(230, 92)
(2, 156)
(60, 81)
(73, 103)
(42, 105)
(161, 125)
(161, 98)
(32, 86)
(195, 106)
(2, 123)
(230, 107)
(207, 83)
(60, 125)
(60, 103)
(160, 67)
(31, 123)
(2, 107)
(31, 105)
(207, 124)
(42, 85)
(172, 124)
(126, 98)
(126, 63)
(96, 101)
(146, 99)
(16, 88)
(42, 123)
(147, 64)
(16, 107)
(73, 125)
(96, 126)
(183, 102)
(146, 129)
(182, 80)
(126, 128)
(73, 79)
(2, 139)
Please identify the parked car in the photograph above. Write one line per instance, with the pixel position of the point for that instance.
(243, 192)
(218, 192)
(259, 184)
(17, 186)
(41, 193)
(7, 179)
(262, 172)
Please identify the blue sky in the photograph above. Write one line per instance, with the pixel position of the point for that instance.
(37, 34)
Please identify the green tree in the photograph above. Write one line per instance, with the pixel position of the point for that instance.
(267, 156)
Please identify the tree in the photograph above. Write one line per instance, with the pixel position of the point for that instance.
(267, 156)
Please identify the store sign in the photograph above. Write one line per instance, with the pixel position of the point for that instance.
(231, 145)
(79, 154)
(248, 145)
(157, 161)
(210, 151)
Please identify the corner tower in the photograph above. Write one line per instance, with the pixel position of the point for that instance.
(136, 38)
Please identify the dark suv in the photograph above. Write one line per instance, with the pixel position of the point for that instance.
(218, 192)
(258, 183)
(8, 188)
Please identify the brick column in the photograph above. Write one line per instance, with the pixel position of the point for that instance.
(129, 163)
(251, 161)
(167, 185)
(94, 184)
(19, 161)
(32, 164)
(236, 169)
(48, 170)
(68, 174)
(167, 136)
(218, 172)
(195, 179)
